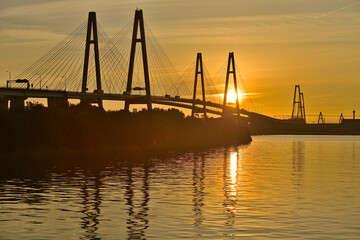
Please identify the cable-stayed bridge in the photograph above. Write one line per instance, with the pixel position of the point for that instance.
(131, 66)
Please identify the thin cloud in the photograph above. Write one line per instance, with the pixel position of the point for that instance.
(332, 12)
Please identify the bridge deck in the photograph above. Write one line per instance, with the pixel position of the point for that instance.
(213, 108)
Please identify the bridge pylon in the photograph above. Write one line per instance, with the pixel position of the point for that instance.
(138, 23)
(341, 118)
(231, 70)
(199, 71)
(298, 112)
(321, 118)
(92, 38)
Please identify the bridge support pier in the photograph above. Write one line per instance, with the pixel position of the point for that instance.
(17, 103)
(4, 103)
(57, 102)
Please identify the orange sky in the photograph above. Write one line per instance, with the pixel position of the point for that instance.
(277, 43)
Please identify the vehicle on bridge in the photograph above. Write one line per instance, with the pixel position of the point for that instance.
(8, 82)
(138, 88)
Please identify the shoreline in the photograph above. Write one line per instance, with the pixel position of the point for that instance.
(79, 129)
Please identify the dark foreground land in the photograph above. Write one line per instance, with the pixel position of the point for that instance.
(83, 127)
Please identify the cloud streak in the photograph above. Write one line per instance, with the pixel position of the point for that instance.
(332, 12)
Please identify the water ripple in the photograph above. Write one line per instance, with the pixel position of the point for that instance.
(277, 187)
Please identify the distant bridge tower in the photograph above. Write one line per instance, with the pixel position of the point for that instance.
(231, 70)
(92, 26)
(298, 111)
(341, 118)
(321, 118)
(138, 22)
(199, 71)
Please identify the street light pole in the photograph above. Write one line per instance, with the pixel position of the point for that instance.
(7, 82)
(9, 74)
(65, 82)
(40, 79)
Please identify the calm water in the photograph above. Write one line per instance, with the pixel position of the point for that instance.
(286, 187)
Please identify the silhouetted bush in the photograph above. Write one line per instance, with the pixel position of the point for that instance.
(85, 126)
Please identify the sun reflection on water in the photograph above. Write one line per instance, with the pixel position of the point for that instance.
(231, 167)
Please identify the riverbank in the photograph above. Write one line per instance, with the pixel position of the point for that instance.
(293, 127)
(82, 128)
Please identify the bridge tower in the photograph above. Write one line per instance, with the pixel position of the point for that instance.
(199, 71)
(231, 70)
(298, 111)
(138, 23)
(92, 38)
(321, 118)
(341, 118)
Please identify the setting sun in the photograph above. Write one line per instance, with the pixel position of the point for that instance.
(231, 96)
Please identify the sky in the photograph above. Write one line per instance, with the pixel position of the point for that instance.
(277, 43)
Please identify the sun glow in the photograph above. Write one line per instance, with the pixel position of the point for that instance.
(231, 96)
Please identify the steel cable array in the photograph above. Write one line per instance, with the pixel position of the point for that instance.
(61, 68)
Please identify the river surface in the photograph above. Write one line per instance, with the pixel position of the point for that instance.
(277, 187)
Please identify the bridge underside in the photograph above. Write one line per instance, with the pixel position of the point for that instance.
(259, 124)
(59, 98)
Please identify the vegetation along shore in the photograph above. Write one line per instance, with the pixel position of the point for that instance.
(82, 127)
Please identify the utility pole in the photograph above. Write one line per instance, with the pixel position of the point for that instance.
(9, 74)
(40, 79)
(65, 82)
